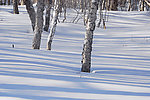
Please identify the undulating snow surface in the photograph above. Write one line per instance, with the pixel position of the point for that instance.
(120, 59)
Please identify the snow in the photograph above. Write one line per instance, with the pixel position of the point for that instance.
(120, 59)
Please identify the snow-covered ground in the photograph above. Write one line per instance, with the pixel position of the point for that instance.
(120, 61)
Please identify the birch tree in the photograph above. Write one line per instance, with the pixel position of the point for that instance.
(47, 16)
(129, 5)
(147, 2)
(141, 5)
(31, 12)
(87, 47)
(53, 25)
(39, 25)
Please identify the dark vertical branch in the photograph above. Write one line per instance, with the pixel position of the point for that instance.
(15, 7)
(47, 16)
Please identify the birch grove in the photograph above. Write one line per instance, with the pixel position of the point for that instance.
(86, 8)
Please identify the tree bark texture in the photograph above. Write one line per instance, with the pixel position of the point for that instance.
(141, 5)
(87, 47)
(39, 25)
(134, 5)
(15, 7)
(47, 16)
(129, 5)
(31, 12)
(147, 2)
(114, 5)
(53, 25)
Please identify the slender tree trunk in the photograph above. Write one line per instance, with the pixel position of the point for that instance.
(87, 47)
(4, 2)
(47, 16)
(53, 25)
(81, 5)
(1, 2)
(31, 12)
(141, 5)
(134, 5)
(39, 25)
(65, 10)
(8, 2)
(15, 7)
(106, 4)
(23, 2)
(100, 13)
(129, 5)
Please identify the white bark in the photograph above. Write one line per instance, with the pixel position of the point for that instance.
(53, 25)
(87, 47)
(147, 2)
(141, 5)
(39, 25)
(129, 5)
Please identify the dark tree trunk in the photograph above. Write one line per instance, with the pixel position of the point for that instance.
(47, 16)
(4, 2)
(114, 5)
(141, 5)
(129, 5)
(31, 12)
(8, 2)
(15, 7)
(1, 2)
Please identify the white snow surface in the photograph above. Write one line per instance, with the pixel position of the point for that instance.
(120, 59)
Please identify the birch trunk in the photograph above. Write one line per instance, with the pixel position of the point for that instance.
(39, 25)
(141, 5)
(15, 7)
(147, 2)
(53, 25)
(31, 12)
(87, 47)
(129, 5)
(47, 16)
